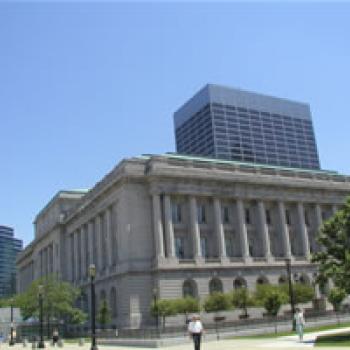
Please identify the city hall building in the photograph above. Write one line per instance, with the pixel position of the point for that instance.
(182, 225)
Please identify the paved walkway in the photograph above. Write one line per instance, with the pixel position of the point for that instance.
(286, 342)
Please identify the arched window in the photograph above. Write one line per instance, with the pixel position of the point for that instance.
(102, 297)
(113, 302)
(189, 289)
(239, 283)
(262, 280)
(215, 286)
(282, 280)
(304, 279)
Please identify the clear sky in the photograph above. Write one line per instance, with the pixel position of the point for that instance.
(83, 85)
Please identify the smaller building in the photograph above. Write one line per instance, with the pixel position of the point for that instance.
(9, 248)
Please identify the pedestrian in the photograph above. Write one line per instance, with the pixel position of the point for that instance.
(299, 323)
(195, 330)
(55, 337)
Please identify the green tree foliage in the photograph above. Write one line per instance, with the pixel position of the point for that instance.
(186, 305)
(241, 298)
(273, 302)
(303, 293)
(104, 314)
(335, 297)
(217, 302)
(164, 308)
(58, 301)
(334, 258)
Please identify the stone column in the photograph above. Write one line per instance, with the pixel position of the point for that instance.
(264, 230)
(76, 255)
(98, 250)
(196, 236)
(284, 230)
(82, 253)
(318, 216)
(169, 228)
(109, 241)
(242, 230)
(158, 227)
(219, 230)
(90, 234)
(303, 230)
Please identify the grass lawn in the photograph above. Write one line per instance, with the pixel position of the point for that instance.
(341, 339)
(307, 330)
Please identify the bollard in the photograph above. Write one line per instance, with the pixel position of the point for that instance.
(81, 342)
(60, 343)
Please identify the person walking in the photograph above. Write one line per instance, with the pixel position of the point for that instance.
(55, 337)
(299, 323)
(195, 330)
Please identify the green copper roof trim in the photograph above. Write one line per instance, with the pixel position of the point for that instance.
(234, 162)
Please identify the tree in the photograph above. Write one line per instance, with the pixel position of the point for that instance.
(186, 305)
(303, 293)
(104, 314)
(335, 297)
(334, 257)
(163, 308)
(265, 292)
(241, 298)
(217, 302)
(58, 300)
(273, 302)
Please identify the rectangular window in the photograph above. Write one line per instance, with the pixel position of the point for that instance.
(201, 214)
(229, 245)
(179, 247)
(306, 218)
(176, 213)
(268, 217)
(225, 215)
(247, 216)
(204, 247)
(288, 221)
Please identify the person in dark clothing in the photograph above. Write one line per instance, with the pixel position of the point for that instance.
(195, 330)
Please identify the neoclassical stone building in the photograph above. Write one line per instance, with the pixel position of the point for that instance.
(182, 225)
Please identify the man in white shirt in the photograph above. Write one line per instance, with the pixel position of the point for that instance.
(299, 323)
(195, 330)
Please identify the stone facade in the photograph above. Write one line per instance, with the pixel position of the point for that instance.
(182, 225)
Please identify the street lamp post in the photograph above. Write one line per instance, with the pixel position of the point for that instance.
(12, 341)
(41, 344)
(155, 303)
(92, 274)
(291, 291)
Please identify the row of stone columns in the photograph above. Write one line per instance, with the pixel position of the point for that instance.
(263, 229)
(94, 243)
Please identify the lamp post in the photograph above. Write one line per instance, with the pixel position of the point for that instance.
(291, 291)
(12, 341)
(41, 343)
(92, 274)
(155, 303)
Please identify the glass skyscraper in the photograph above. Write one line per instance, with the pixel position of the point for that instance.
(233, 124)
(9, 247)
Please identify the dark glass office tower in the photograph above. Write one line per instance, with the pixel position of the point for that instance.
(9, 247)
(233, 124)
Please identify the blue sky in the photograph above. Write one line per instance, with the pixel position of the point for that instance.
(83, 85)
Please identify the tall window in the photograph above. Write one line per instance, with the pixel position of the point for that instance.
(306, 218)
(179, 247)
(268, 217)
(247, 216)
(189, 289)
(176, 213)
(215, 286)
(229, 245)
(288, 221)
(113, 302)
(204, 247)
(225, 215)
(201, 214)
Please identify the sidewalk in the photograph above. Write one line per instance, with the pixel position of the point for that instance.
(287, 342)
